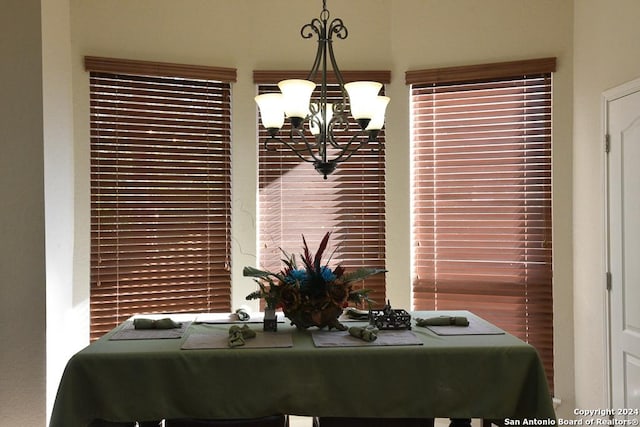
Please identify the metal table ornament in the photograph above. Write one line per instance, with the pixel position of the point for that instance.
(389, 318)
(270, 321)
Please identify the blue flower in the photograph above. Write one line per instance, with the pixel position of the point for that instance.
(298, 275)
(327, 274)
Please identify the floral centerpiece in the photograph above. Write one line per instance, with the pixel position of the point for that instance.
(312, 294)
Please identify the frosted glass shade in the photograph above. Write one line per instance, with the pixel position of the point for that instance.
(317, 118)
(362, 97)
(297, 95)
(271, 108)
(380, 107)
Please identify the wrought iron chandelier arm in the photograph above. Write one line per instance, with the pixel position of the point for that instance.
(307, 31)
(297, 151)
(339, 119)
(338, 28)
(346, 152)
(336, 70)
(314, 27)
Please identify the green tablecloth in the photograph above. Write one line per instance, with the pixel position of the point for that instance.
(469, 376)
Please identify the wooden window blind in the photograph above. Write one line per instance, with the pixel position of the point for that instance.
(160, 189)
(482, 197)
(295, 200)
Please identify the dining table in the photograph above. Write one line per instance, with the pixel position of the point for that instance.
(192, 371)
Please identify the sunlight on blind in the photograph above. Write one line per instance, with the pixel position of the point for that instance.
(160, 196)
(482, 203)
(296, 200)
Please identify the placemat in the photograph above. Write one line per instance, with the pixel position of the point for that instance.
(220, 339)
(128, 332)
(477, 326)
(343, 339)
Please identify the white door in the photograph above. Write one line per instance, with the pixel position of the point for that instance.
(622, 119)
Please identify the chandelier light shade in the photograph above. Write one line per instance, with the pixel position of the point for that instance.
(379, 107)
(362, 95)
(296, 104)
(296, 95)
(271, 106)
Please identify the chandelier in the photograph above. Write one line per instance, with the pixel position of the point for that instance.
(321, 117)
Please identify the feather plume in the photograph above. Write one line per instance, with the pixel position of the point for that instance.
(323, 245)
(306, 258)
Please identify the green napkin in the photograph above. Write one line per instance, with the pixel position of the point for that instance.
(354, 313)
(165, 323)
(368, 333)
(237, 335)
(443, 321)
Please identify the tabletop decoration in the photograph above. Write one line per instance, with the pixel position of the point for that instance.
(312, 294)
(389, 318)
(270, 320)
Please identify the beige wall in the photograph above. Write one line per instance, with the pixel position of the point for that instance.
(22, 239)
(67, 306)
(606, 55)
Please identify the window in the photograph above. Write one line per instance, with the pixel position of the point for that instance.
(160, 189)
(482, 195)
(295, 200)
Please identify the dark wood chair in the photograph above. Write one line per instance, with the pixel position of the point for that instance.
(372, 422)
(272, 421)
(103, 423)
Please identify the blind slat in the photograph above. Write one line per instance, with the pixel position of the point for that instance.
(482, 196)
(160, 191)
